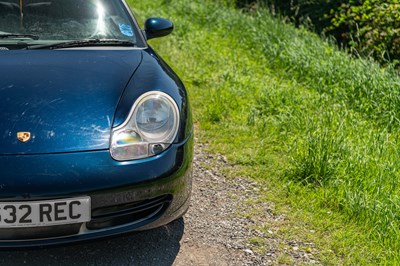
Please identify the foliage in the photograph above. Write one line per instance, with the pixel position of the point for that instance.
(311, 13)
(372, 27)
(368, 27)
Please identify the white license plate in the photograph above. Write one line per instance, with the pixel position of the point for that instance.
(45, 213)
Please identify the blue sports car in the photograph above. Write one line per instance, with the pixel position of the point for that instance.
(96, 134)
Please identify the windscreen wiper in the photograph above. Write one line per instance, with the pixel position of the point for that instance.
(84, 43)
(17, 36)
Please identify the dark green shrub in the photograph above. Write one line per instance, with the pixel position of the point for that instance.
(368, 27)
(373, 27)
(302, 12)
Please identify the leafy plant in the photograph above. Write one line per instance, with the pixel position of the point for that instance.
(370, 27)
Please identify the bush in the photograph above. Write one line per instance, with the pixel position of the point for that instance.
(298, 11)
(367, 27)
(373, 27)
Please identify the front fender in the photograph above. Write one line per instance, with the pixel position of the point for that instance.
(155, 75)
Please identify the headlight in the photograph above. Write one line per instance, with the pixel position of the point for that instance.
(151, 128)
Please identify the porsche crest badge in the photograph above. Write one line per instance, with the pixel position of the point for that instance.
(24, 136)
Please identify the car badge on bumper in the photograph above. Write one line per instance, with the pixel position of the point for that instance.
(24, 136)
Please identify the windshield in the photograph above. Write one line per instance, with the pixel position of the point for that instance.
(38, 22)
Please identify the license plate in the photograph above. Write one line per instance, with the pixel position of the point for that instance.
(45, 213)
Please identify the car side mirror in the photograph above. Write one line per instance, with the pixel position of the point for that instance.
(157, 27)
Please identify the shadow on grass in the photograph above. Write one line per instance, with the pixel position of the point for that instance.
(155, 247)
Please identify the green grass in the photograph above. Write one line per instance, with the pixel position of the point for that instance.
(318, 128)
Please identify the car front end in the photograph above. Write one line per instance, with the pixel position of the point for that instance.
(96, 134)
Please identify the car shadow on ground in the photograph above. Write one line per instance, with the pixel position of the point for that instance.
(155, 247)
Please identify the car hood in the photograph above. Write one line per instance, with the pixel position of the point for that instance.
(65, 99)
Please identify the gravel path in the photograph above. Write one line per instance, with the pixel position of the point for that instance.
(212, 233)
(217, 232)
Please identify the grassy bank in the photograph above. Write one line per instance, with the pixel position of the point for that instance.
(318, 128)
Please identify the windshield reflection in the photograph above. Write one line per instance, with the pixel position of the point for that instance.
(101, 25)
(57, 20)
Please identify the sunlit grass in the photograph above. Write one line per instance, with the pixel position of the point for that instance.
(319, 128)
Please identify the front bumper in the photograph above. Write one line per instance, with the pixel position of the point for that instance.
(125, 196)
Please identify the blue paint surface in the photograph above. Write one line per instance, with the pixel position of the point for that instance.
(65, 98)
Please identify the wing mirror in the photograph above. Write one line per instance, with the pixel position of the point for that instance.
(157, 27)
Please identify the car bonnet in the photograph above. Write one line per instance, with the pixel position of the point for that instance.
(61, 100)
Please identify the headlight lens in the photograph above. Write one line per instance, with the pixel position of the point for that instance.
(155, 118)
(150, 128)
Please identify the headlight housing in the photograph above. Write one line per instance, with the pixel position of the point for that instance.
(151, 128)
